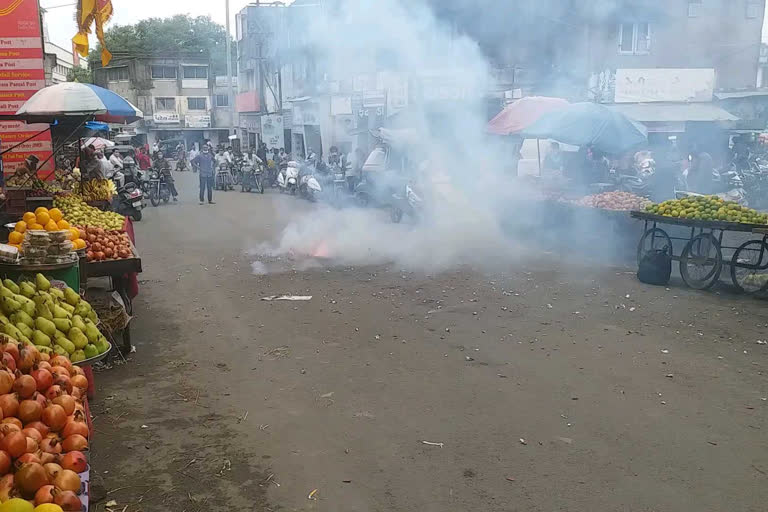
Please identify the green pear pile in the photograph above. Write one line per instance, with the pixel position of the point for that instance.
(55, 321)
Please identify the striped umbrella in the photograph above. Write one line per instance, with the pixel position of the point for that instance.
(73, 99)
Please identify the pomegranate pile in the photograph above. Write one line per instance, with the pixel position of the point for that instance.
(43, 429)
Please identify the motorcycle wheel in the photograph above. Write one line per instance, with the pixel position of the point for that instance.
(260, 185)
(136, 215)
(396, 214)
(153, 198)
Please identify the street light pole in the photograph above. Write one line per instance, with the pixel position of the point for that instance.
(230, 89)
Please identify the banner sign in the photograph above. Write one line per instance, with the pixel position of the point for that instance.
(21, 75)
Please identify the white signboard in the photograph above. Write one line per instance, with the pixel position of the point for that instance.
(165, 117)
(272, 131)
(341, 105)
(197, 120)
(649, 85)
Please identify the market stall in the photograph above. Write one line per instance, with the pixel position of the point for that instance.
(711, 234)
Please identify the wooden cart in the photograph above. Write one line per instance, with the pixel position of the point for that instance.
(702, 256)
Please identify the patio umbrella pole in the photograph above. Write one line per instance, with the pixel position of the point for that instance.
(538, 153)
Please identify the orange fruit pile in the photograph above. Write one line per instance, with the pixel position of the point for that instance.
(49, 220)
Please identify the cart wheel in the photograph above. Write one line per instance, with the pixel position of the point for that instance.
(749, 267)
(701, 262)
(655, 239)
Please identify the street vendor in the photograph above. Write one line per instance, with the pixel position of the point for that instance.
(699, 174)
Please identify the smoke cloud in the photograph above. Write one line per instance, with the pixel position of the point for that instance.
(467, 182)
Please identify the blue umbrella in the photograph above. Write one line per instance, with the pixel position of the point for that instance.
(589, 124)
(73, 99)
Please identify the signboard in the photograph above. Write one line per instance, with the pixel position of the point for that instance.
(21, 75)
(197, 120)
(396, 87)
(341, 105)
(165, 117)
(272, 131)
(650, 85)
(305, 112)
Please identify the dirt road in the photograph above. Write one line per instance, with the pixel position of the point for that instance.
(543, 388)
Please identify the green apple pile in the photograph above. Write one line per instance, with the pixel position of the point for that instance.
(56, 321)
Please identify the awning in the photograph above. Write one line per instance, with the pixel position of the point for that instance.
(671, 112)
(740, 94)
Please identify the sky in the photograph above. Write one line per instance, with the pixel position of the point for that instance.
(61, 20)
(61, 25)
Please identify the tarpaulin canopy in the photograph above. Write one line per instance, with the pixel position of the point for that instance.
(589, 124)
(523, 113)
(73, 99)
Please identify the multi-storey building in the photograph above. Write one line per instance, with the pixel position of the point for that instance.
(179, 98)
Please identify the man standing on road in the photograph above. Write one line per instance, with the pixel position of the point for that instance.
(204, 161)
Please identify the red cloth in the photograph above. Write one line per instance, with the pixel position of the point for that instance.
(523, 113)
(133, 277)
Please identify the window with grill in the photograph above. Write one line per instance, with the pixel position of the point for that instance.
(165, 104)
(634, 38)
(163, 73)
(117, 74)
(694, 8)
(754, 8)
(196, 103)
(195, 71)
(222, 100)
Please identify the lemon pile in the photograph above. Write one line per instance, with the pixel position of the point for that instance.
(711, 208)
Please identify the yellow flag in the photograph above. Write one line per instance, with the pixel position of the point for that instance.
(97, 12)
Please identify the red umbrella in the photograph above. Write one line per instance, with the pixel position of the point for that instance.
(523, 113)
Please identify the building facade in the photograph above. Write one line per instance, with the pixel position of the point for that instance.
(179, 98)
(664, 61)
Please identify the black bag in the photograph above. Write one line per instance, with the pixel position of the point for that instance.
(655, 267)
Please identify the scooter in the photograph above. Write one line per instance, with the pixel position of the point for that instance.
(288, 180)
(158, 188)
(406, 202)
(130, 201)
(309, 187)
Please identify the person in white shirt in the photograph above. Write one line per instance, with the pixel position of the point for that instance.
(116, 161)
(221, 158)
(105, 168)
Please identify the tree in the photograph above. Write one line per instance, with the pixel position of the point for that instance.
(156, 37)
(79, 74)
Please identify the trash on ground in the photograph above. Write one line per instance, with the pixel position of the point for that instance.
(312, 495)
(287, 297)
(430, 443)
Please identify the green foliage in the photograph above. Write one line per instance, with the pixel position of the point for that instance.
(79, 74)
(156, 37)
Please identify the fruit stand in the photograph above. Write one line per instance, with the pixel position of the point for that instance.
(708, 243)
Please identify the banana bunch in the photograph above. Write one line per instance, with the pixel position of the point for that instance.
(98, 190)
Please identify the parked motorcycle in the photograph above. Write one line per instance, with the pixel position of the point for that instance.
(252, 179)
(158, 188)
(130, 201)
(288, 180)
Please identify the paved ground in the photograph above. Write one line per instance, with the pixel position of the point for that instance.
(540, 388)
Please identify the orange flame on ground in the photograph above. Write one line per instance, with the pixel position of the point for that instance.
(321, 251)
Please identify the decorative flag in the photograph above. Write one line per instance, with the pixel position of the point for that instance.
(97, 12)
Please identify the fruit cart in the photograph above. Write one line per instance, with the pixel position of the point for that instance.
(120, 273)
(704, 242)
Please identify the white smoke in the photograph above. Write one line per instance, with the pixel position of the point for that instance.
(468, 183)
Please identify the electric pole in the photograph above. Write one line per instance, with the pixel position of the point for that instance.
(230, 89)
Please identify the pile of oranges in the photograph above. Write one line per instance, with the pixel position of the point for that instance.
(49, 220)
